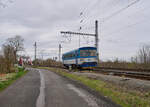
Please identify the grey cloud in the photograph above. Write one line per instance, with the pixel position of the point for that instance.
(42, 21)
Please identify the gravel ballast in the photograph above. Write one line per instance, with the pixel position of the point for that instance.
(129, 83)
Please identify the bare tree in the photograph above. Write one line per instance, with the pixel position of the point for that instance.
(9, 57)
(2, 64)
(17, 43)
(142, 57)
(144, 54)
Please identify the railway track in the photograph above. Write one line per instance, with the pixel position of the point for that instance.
(131, 73)
(126, 73)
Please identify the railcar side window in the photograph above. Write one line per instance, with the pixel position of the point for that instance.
(87, 52)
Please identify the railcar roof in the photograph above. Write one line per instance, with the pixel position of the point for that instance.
(78, 49)
(86, 47)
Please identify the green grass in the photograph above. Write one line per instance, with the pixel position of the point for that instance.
(123, 97)
(10, 80)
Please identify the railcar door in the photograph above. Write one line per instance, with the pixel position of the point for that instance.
(76, 57)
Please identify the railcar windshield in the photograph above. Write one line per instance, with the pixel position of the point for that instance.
(88, 53)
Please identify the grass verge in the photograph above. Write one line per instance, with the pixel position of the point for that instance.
(10, 79)
(123, 97)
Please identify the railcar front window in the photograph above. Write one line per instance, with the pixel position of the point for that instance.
(87, 52)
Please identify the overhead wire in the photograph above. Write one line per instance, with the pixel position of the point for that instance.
(130, 25)
(84, 19)
(81, 14)
(115, 2)
(121, 10)
(82, 23)
(127, 27)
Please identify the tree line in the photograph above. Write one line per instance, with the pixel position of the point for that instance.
(140, 61)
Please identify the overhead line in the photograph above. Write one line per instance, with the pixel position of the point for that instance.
(76, 33)
(119, 11)
(128, 26)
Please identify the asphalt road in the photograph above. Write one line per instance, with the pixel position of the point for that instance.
(41, 88)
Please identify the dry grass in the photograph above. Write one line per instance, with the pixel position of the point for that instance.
(124, 65)
(5, 77)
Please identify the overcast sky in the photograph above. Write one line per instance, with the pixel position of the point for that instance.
(120, 35)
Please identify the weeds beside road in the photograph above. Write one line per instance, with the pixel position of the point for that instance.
(9, 78)
(121, 96)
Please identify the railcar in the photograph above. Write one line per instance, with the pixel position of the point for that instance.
(84, 57)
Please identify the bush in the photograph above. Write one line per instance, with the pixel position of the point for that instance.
(21, 69)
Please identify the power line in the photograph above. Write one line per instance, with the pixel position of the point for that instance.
(95, 5)
(83, 18)
(113, 2)
(121, 10)
(88, 8)
(115, 13)
(131, 25)
(126, 27)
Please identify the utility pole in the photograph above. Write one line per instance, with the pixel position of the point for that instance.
(96, 34)
(96, 39)
(79, 41)
(35, 47)
(87, 34)
(59, 51)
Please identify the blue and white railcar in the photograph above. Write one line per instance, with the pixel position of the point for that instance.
(81, 57)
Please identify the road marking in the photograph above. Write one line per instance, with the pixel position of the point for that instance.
(41, 98)
(87, 98)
